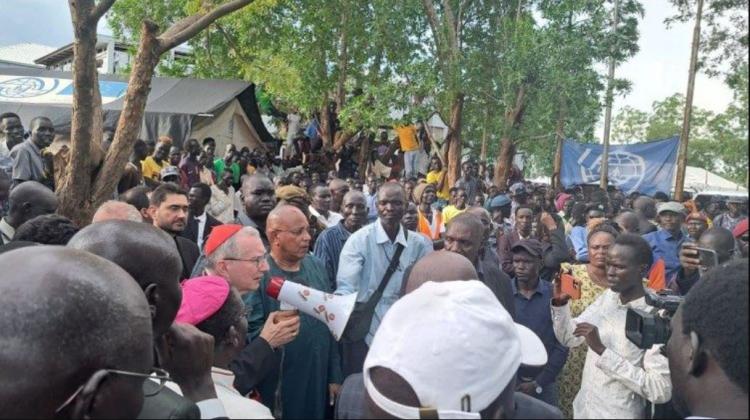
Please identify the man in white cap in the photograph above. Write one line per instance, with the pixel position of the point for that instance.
(667, 241)
(450, 350)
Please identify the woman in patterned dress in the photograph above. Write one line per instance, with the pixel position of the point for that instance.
(592, 279)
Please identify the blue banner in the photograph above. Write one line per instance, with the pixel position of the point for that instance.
(643, 167)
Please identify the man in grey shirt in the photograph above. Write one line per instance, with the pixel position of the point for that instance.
(27, 156)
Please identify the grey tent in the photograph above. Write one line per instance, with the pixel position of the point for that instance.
(180, 108)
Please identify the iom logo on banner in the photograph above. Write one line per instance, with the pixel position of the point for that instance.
(49, 90)
(625, 169)
(644, 167)
(27, 87)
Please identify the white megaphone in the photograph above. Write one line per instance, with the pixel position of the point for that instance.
(332, 310)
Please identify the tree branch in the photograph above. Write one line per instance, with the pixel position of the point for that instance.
(100, 9)
(188, 27)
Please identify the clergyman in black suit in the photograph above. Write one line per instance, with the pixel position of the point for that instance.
(199, 222)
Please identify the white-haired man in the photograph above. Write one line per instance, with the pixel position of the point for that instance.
(237, 254)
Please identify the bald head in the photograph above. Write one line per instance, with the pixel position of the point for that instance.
(61, 323)
(645, 207)
(440, 266)
(391, 187)
(629, 222)
(720, 240)
(29, 200)
(288, 232)
(147, 253)
(116, 210)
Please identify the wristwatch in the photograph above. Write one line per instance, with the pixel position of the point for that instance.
(538, 389)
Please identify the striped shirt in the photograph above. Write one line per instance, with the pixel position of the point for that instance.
(328, 248)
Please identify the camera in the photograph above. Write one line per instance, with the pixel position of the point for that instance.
(645, 329)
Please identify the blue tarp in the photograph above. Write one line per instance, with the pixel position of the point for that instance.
(643, 167)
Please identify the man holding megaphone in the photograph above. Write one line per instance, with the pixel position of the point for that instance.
(237, 254)
(308, 375)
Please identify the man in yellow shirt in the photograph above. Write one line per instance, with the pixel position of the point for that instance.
(407, 139)
(437, 176)
(458, 207)
(151, 166)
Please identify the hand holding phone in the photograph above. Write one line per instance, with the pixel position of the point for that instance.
(707, 257)
(570, 286)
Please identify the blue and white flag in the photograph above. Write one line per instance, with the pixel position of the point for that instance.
(643, 167)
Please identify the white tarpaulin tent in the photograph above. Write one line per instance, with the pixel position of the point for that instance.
(698, 179)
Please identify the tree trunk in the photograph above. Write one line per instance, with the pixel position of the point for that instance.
(79, 196)
(504, 162)
(134, 106)
(453, 140)
(513, 119)
(86, 124)
(685, 135)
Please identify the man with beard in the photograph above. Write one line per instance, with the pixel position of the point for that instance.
(28, 164)
(11, 134)
(168, 209)
(618, 378)
(331, 241)
(309, 374)
(365, 259)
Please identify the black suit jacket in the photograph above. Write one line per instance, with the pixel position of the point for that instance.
(189, 254)
(167, 404)
(191, 229)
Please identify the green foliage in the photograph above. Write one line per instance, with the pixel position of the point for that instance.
(718, 143)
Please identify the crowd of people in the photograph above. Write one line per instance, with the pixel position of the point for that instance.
(473, 300)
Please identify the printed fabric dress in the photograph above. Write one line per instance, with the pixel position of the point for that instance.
(569, 380)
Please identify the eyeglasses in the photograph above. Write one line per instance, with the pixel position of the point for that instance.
(90, 386)
(257, 260)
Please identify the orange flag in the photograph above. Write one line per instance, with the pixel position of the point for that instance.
(657, 277)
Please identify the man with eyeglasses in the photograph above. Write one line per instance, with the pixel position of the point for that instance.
(72, 345)
(237, 254)
(308, 374)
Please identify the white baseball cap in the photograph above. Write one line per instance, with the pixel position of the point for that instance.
(455, 345)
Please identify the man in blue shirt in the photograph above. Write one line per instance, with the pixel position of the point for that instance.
(366, 257)
(667, 240)
(331, 241)
(532, 297)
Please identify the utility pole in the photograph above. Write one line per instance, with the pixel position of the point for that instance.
(604, 180)
(685, 135)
